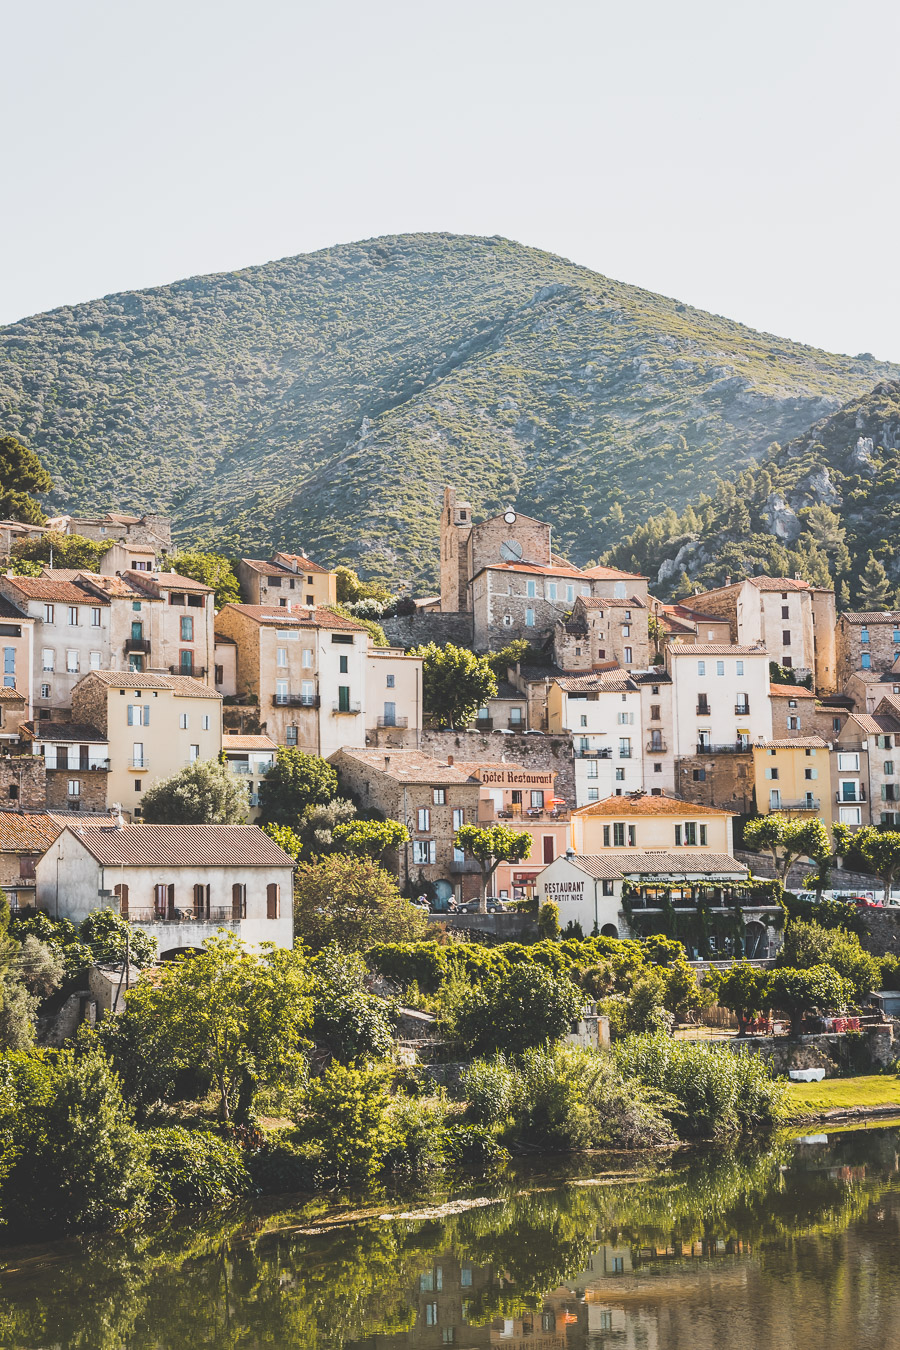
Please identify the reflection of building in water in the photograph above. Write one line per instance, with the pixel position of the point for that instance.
(453, 1301)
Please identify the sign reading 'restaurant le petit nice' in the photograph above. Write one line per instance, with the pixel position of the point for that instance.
(573, 888)
(515, 778)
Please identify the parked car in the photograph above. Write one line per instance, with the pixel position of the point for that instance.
(863, 902)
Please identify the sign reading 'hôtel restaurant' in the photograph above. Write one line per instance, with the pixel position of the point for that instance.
(514, 778)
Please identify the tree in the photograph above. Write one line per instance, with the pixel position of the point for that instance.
(202, 793)
(350, 588)
(809, 944)
(785, 839)
(295, 781)
(490, 846)
(874, 590)
(353, 902)
(65, 550)
(372, 627)
(797, 992)
(879, 851)
(21, 473)
(234, 1014)
(349, 1023)
(528, 1007)
(212, 569)
(742, 989)
(514, 653)
(548, 921)
(455, 682)
(370, 838)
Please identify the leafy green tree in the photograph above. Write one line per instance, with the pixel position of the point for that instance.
(548, 921)
(349, 1023)
(353, 902)
(351, 589)
(809, 944)
(786, 839)
(797, 992)
(682, 994)
(514, 653)
(234, 1014)
(490, 846)
(202, 793)
(104, 932)
(874, 590)
(370, 838)
(295, 781)
(645, 1008)
(64, 550)
(70, 1156)
(212, 570)
(21, 474)
(347, 1121)
(372, 626)
(742, 989)
(455, 683)
(879, 851)
(529, 1007)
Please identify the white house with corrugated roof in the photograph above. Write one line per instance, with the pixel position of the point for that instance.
(180, 883)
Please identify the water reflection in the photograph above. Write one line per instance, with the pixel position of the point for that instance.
(795, 1249)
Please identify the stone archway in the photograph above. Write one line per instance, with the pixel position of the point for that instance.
(609, 930)
(756, 940)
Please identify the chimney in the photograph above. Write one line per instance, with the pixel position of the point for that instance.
(727, 579)
(387, 761)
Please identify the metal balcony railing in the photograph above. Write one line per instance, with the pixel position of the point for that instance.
(730, 748)
(146, 914)
(194, 673)
(605, 753)
(139, 763)
(858, 797)
(742, 709)
(805, 804)
(346, 707)
(484, 724)
(657, 747)
(295, 700)
(137, 644)
(703, 710)
(76, 765)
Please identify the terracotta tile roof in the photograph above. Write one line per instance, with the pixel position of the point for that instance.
(696, 649)
(405, 766)
(605, 602)
(303, 564)
(298, 617)
(118, 586)
(602, 681)
(12, 695)
(650, 862)
(48, 588)
(876, 724)
(172, 581)
(779, 584)
(793, 743)
(647, 805)
(180, 846)
(24, 833)
(612, 574)
(671, 625)
(183, 686)
(234, 742)
(276, 569)
(536, 569)
(864, 617)
(66, 731)
(684, 611)
(790, 691)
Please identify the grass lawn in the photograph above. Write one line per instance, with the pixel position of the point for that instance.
(839, 1093)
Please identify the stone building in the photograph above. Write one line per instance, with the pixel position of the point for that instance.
(874, 740)
(794, 621)
(288, 579)
(71, 636)
(25, 837)
(722, 778)
(866, 640)
(120, 526)
(602, 629)
(432, 799)
(75, 759)
(793, 710)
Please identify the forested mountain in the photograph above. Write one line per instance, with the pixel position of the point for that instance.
(826, 506)
(322, 401)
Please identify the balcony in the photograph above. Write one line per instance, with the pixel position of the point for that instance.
(401, 722)
(484, 724)
(843, 800)
(133, 644)
(742, 710)
(516, 724)
(657, 747)
(76, 765)
(807, 804)
(605, 753)
(703, 710)
(142, 763)
(730, 748)
(535, 814)
(194, 673)
(295, 700)
(624, 754)
(351, 708)
(148, 915)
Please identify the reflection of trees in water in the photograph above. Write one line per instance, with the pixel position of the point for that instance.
(230, 1280)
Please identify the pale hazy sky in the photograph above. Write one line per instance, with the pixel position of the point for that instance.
(741, 155)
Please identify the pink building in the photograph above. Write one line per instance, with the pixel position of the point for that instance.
(524, 799)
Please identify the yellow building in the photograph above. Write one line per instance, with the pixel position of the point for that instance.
(289, 580)
(793, 776)
(648, 822)
(154, 724)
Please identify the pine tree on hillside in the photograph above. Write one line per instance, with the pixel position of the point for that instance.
(874, 590)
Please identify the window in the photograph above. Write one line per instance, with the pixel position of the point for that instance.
(889, 768)
(720, 667)
(620, 775)
(606, 836)
(307, 659)
(273, 900)
(547, 846)
(95, 659)
(71, 663)
(390, 682)
(238, 901)
(281, 691)
(657, 768)
(204, 722)
(864, 636)
(49, 614)
(343, 664)
(515, 716)
(45, 691)
(194, 753)
(290, 736)
(626, 630)
(439, 796)
(793, 724)
(690, 833)
(585, 590)
(625, 719)
(699, 775)
(785, 612)
(424, 851)
(593, 769)
(95, 617)
(281, 656)
(187, 628)
(608, 888)
(138, 784)
(787, 661)
(551, 590)
(786, 637)
(701, 667)
(138, 715)
(865, 661)
(137, 755)
(771, 773)
(619, 835)
(531, 589)
(593, 794)
(423, 820)
(537, 799)
(896, 636)
(702, 836)
(73, 616)
(431, 1314)
(186, 662)
(74, 787)
(654, 712)
(529, 618)
(343, 698)
(811, 773)
(183, 721)
(738, 667)
(851, 815)
(570, 595)
(310, 600)
(459, 818)
(627, 656)
(625, 747)
(848, 762)
(47, 659)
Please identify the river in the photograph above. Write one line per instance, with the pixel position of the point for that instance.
(795, 1248)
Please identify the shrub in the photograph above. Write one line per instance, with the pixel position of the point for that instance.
(474, 1146)
(527, 1008)
(490, 1087)
(810, 944)
(348, 1022)
(645, 1009)
(194, 1167)
(347, 1119)
(418, 1127)
(548, 920)
(283, 1166)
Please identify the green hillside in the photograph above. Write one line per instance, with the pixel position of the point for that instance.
(825, 506)
(322, 401)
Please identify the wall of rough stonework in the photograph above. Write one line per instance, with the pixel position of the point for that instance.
(23, 782)
(727, 782)
(831, 1051)
(537, 752)
(92, 794)
(882, 931)
(409, 630)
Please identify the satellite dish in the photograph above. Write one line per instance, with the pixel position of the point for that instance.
(510, 550)
(510, 517)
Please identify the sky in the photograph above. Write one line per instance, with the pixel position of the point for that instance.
(740, 156)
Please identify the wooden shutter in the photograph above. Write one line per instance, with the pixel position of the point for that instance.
(170, 895)
(122, 892)
(238, 901)
(273, 900)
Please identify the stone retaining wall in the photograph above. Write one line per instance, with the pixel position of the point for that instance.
(831, 1051)
(409, 630)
